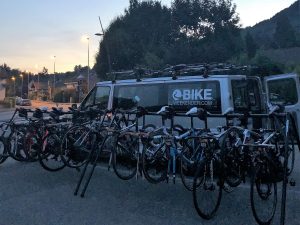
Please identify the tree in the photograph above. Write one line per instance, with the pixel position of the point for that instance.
(251, 46)
(284, 36)
(139, 37)
(151, 35)
(45, 71)
(201, 18)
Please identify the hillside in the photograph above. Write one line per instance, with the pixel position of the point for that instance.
(264, 31)
(286, 56)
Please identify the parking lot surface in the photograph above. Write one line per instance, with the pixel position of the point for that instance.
(30, 195)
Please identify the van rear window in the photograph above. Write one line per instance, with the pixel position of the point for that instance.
(181, 95)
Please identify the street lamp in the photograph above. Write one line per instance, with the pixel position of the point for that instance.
(21, 75)
(14, 80)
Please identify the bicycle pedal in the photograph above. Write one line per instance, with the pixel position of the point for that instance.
(292, 182)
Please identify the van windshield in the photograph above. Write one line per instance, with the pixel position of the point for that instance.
(181, 95)
(98, 96)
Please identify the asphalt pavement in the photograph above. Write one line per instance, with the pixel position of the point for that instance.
(6, 115)
(30, 195)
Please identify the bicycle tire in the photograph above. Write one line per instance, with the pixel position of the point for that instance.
(125, 158)
(291, 153)
(50, 153)
(231, 155)
(15, 146)
(189, 160)
(154, 161)
(263, 195)
(3, 150)
(199, 195)
(75, 156)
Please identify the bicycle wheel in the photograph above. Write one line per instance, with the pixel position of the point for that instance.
(263, 195)
(32, 145)
(3, 150)
(49, 156)
(207, 188)
(232, 156)
(291, 140)
(75, 146)
(188, 161)
(16, 145)
(154, 161)
(125, 156)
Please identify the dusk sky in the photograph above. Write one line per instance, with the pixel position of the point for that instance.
(33, 31)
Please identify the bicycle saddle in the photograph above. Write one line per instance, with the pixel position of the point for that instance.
(199, 112)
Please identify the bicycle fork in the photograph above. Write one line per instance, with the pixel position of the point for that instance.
(172, 163)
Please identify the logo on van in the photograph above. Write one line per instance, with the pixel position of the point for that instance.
(192, 94)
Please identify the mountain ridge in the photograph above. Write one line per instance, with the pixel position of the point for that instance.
(263, 32)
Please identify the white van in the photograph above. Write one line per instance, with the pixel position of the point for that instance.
(216, 93)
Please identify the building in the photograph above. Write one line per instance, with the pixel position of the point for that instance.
(38, 90)
(2, 89)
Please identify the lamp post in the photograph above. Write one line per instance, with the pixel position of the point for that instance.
(14, 80)
(21, 75)
(88, 40)
(54, 58)
(27, 73)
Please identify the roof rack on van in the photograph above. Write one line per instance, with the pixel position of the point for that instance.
(200, 69)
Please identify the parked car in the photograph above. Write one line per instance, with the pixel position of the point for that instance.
(18, 100)
(25, 102)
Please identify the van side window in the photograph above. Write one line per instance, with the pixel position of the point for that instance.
(254, 95)
(204, 94)
(102, 97)
(283, 91)
(240, 95)
(130, 96)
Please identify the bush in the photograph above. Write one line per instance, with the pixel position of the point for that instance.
(266, 66)
(8, 102)
(65, 96)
